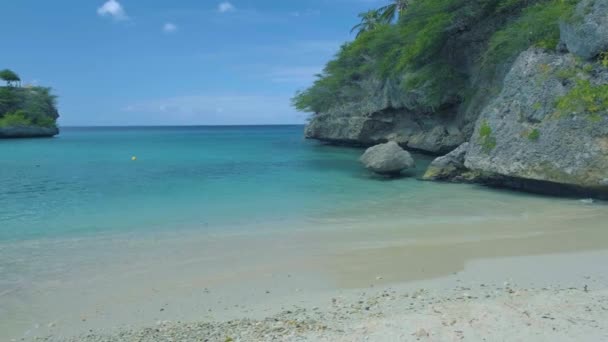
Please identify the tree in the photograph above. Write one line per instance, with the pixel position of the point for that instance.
(395, 9)
(10, 77)
(370, 20)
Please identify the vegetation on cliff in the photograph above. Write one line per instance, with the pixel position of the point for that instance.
(25, 106)
(418, 52)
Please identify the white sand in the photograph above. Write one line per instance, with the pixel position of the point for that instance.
(116, 286)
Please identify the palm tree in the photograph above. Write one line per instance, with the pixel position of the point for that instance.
(370, 20)
(395, 9)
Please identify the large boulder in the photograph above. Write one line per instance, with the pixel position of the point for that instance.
(586, 33)
(387, 159)
(448, 167)
(548, 127)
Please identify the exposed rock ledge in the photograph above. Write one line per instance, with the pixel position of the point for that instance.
(432, 133)
(525, 140)
(27, 132)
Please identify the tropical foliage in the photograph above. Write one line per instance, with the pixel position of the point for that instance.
(414, 50)
(370, 21)
(27, 106)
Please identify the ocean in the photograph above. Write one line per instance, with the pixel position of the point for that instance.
(91, 181)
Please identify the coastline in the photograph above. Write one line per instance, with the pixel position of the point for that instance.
(120, 285)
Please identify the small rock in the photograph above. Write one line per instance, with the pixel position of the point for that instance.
(421, 333)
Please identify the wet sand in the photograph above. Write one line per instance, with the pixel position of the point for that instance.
(119, 284)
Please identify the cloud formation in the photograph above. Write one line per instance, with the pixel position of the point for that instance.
(169, 28)
(225, 7)
(113, 9)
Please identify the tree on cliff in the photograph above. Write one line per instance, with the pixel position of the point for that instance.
(10, 77)
(395, 9)
(370, 20)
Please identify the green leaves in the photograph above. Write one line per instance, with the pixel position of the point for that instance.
(370, 20)
(584, 98)
(415, 50)
(28, 106)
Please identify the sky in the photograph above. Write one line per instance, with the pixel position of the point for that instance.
(174, 62)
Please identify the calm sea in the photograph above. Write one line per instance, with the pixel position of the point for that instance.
(85, 182)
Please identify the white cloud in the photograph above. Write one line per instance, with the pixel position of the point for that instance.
(169, 28)
(112, 8)
(226, 6)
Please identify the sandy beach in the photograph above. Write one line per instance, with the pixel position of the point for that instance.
(555, 303)
(495, 278)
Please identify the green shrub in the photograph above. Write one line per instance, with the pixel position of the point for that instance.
(18, 118)
(537, 26)
(37, 105)
(584, 98)
(603, 59)
(534, 135)
(488, 142)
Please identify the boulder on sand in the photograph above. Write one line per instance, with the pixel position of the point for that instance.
(387, 159)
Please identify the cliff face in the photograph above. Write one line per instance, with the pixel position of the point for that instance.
(390, 109)
(417, 131)
(545, 126)
(547, 131)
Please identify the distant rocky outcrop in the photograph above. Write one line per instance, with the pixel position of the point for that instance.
(387, 159)
(28, 132)
(27, 112)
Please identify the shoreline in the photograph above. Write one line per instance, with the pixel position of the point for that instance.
(126, 283)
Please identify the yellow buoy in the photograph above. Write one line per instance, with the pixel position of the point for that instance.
(134, 158)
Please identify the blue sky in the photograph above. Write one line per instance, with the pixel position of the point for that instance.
(180, 62)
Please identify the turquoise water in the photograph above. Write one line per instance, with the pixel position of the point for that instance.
(84, 180)
(218, 179)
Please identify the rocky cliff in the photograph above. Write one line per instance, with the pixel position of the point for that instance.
(423, 106)
(526, 100)
(549, 124)
(423, 81)
(547, 131)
